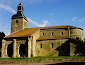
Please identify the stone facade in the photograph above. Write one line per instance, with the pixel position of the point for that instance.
(18, 24)
(41, 41)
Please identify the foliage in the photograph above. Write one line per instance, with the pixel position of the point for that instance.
(2, 35)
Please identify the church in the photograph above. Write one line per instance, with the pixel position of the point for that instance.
(39, 41)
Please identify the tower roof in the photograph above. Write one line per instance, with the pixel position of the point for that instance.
(19, 13)
(20, 3)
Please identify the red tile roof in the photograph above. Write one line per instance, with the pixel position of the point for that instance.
(30, 31)
(23, 33)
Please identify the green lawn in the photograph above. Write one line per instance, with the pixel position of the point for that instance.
(44, 57)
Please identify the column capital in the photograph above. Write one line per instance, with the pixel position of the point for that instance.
(14, 39)
(3, 41)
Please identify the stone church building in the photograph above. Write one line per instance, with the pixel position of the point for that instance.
(39, 41)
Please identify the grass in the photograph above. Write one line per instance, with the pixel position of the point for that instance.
(44, 57)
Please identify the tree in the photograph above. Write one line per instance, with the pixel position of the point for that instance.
(2, 35)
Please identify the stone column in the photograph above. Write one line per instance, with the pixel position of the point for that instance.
(14, 48)
(3, 49)
(18, 55)
(6, 46)
(33, 47)
(29, 48)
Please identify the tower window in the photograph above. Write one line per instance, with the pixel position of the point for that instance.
(16, 21)
(61, 33)
(52, 33)
(51, 45)
(40, 45)
(43, 34)
(19, 7)
(77, 38)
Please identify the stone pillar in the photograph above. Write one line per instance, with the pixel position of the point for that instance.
(33, 47)
(6, 46)
(18, 55)
(29, 48)
(3, 49)
(14, 48)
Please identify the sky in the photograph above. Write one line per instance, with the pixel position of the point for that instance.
(42, 13)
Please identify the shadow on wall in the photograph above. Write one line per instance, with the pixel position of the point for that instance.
(64, 49)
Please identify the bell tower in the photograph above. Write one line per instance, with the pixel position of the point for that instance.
(19, 21)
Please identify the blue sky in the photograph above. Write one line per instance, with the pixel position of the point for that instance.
(44, 13)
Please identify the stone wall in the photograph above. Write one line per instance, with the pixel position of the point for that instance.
(47, 49)
(56, 32)
(36, 35)
(76, 33)
(21, 24)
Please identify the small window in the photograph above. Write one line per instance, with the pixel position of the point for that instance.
(40, 45)
(61, 33)
(43, 34)
(16, 21)
(52, 45)
(77, 38)
(52, 33)
(19, 7)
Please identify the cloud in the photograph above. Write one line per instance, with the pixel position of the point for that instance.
(44, 24)
(30, 20)
(78, 20)
(82, 20)
(74, 18)
(7, 8)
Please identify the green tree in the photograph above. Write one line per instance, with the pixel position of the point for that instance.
(2, 35)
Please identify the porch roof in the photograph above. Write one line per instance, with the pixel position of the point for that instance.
(23, 33)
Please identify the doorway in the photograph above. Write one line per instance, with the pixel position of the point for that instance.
(22, 50)
(10, 50)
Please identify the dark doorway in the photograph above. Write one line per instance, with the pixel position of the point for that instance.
(22, 50)
(10, 50)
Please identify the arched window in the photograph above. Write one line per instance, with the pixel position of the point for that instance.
(52, 33)
(43, 34)
(61, 33)
(40, 45)
(51, 45)
(16, 21)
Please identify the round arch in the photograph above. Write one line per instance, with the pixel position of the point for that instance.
(10, 50)
(22, 50)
